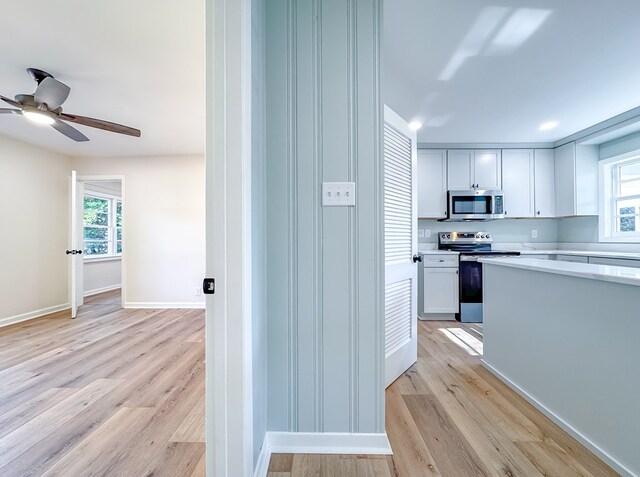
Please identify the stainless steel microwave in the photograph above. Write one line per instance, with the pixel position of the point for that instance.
(475, 205)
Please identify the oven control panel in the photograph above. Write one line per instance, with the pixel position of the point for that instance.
(465, 237)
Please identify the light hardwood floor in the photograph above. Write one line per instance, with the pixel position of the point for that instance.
(448, 416)
(112, 393)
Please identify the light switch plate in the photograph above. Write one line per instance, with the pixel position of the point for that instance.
(338, 194)
(420, 233)
(427, 233)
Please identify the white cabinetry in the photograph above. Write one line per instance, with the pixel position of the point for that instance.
(616, 262)
(468, 169)
(432, 184)
(441, 284)
(572, 258)
(517, 182)
(576, 170)
(544, 183)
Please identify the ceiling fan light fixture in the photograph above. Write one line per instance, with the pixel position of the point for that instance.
(39, 117)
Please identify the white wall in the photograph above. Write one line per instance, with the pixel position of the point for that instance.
(34, 224)
(164, 241)
(101, 275)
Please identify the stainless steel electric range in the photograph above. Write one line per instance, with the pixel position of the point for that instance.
(471, 246)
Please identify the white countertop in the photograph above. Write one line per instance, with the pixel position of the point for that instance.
(438, 252)
(607, 273)
(582, 253)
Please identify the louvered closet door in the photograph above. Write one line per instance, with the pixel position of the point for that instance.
(400, 221)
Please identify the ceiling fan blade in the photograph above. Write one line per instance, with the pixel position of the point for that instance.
(51, 92)
(69, 131)
(10, 101)
(10, 111)
(100, 124)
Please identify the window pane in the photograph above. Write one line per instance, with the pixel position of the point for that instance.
(96, 218)
(96, 248)
(627, 224)
(627, 206)
(631, 171)
(630, 188)
(119, 247)
(96, 211)
(119, 234)
(96, 233)
(119, 214)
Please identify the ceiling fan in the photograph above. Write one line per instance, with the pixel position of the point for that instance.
(44, 107)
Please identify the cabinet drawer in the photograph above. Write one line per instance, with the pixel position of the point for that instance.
(440, 261)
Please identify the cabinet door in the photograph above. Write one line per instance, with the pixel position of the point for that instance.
(572, 258)
(459, 169)
(544, 183)
(517, 182)
(565, 169)
(441, 290)
(487, 169)
(432, 184)
(616, 262)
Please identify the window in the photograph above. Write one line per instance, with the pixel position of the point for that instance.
(620, 211)
(102, 226)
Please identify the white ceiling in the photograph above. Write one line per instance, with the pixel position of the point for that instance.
(461, 67)
(138, 63)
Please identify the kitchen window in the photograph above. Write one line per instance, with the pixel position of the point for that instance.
(620, 200)
(102, 220)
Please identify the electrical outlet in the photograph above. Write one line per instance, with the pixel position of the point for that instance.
(534, 233)
(338, 194)
(420, 233)
(427, 233)
(198, 291)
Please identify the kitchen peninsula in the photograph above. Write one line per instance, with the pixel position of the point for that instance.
(566, 336)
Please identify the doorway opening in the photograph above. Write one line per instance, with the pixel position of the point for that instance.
(99, 228)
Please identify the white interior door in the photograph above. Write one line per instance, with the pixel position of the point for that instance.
(76, 245)
(400, 221)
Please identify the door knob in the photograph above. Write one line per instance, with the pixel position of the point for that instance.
(417, 258)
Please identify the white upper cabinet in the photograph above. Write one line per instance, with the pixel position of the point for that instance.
(544, 183)
(576, 181)
(432, 184)
(460, 169)
(517, 182)
(468, 169)
(487, 169)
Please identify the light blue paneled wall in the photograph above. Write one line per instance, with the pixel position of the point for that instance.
(324, 265)
(258, 228)
(503, 231)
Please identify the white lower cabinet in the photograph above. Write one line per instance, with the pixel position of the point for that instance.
(440, 291)
(572, 258)
(616, 262)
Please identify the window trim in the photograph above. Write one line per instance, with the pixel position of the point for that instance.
(609, 185)
(112, 241)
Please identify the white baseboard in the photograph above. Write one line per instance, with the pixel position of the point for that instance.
(164, 305)
(11, 320)
(262, 466)
(319, 443)
(613, 463)
(97, 291)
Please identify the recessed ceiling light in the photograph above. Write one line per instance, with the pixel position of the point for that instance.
(415, 125)
(548, 125)
(38, 117)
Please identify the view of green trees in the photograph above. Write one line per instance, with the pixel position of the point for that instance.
(98, 226)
